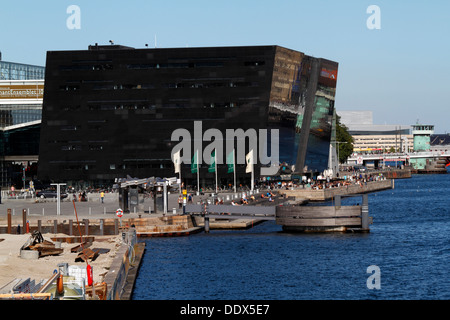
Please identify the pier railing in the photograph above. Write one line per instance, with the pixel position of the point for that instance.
(232, 212)
(330, 193)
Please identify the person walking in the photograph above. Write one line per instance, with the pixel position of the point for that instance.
(180, 201)
(102, 195)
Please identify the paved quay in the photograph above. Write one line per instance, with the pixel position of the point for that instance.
(94, 208)
(116, 266)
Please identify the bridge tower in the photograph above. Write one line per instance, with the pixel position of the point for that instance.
(421, 137)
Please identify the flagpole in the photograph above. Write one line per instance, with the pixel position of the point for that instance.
(253, 169)
(253, 182)
(215, 164)
(234, 172)
(177, 164)
(250, 167)
(198, 176)
(181, 182)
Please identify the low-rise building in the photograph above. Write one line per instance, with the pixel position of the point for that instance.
(21, 97)
(369, 137)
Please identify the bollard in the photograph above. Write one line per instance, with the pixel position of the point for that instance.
(206, 224)
(24, 220)
(9, 221)
(70, 227)
(40, 226)
(116, 226)
(86, 226)
(102, 223)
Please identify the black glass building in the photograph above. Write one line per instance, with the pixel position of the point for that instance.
(110, 111)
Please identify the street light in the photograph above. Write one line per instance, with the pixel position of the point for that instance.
(58, 196)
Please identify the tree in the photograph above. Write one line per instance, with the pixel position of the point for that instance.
(342, 135)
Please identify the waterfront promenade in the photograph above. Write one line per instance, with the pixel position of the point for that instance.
(95, 210)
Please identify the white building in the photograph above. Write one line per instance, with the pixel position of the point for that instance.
(369, 137)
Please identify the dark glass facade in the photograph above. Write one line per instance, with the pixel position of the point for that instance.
(110, 111)
(301, 106)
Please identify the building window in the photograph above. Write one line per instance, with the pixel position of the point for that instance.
(95, 147)
(69, 128)
(71, 148)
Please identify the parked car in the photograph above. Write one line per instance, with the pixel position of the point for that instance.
(44, 194)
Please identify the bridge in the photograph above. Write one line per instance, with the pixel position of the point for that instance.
(256, 212)
(359, 158)
(436, 161)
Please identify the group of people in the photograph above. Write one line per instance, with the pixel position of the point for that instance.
(243, 201)
(81, 196)
(268, 195)
(189, 199)
(358, 179)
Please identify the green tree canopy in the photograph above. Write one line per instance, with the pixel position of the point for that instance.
(344, 140)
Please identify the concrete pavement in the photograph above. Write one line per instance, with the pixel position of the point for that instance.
(38, 209)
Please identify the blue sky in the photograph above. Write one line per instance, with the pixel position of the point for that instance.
(399, 71)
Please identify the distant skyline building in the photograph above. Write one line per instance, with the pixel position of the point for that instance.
(109, 111)
(369, 137)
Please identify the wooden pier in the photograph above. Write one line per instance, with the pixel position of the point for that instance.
(325, 218)
(292, 216)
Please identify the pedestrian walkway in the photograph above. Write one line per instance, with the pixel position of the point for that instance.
(38, 209)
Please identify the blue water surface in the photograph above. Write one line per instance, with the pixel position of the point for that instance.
(408, 242)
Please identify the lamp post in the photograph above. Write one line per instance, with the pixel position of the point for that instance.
(58, 197)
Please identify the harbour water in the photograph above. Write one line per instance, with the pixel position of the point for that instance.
(409, 242)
